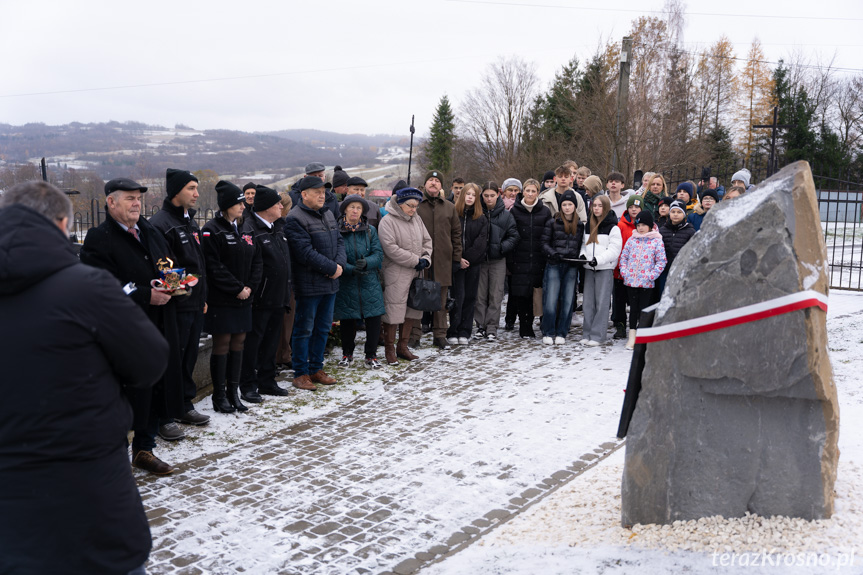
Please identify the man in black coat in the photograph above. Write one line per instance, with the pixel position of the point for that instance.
(131, 249)
(315, 170)
(176, 221)
(72, 346)
(271, 299)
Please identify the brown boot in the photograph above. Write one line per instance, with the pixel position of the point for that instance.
(402, 350)
(148, 462)
(321, 377)
(389, 333)
(304, 382)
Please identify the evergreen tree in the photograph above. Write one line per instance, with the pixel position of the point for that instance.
(796, 109)
(439, 146)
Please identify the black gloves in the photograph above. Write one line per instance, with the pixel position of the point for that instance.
(423, 264)
(592, 263)
(360, 264)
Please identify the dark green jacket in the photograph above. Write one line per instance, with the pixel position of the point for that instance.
(360, 294)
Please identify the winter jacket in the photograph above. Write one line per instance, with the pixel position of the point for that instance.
(360, 294)
(274, 289)
(502, 232)
(642, 259)
(556, 242)
(551, 199)
(316, 248)
(608, 244)
(627, 227)
(72, 343)
(233, 263)
(697, 217)
(184, 240)
(474, 235)
(112, 248)
(674, 237)
(404, 240)
(442, 223)
(527, 261)
(331, 202)
(373, 214)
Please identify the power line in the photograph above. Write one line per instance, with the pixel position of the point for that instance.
(640, 11)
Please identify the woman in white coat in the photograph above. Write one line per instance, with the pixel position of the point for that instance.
(407, 251)
(601, 248)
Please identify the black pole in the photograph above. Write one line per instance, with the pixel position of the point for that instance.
(411, 152)
(44, 170)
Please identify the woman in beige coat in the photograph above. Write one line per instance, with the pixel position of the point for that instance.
(407, 250)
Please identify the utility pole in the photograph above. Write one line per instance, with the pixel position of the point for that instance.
(774, 127)
(622, 99)
(411, 152)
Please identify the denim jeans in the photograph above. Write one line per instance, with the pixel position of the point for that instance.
(312, 322)
(558, 298)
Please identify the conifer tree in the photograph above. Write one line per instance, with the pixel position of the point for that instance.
(439, 146)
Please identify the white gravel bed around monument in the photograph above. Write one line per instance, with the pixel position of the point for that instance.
(577, 528)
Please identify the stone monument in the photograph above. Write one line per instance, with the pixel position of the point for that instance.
(737, 409)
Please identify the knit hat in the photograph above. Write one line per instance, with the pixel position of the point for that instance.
(125, 185)
(357, 181)
(310, 182)
(549, 175)
(511, 182)
(743, 175)
(593, 185)
(313, 167)
(353, 198)
(678, 205)
(228, 194)
(686, 187)
(568, 196)
(265, 198)
(406, 194)
(250, 185)
(340, 178)
(176, 180)
(646, 218)
(711, 193)
(667, 200)
(399, 185)
(635, 200)
(433, 174)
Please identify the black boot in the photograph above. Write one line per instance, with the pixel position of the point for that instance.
(235, 364)
(619, 330)
(218, 370)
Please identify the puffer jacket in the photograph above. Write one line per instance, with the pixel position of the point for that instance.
(502, 232)
(527, 261)
(643, 259)
(233, 262)
(608, 244)
(474, 237)
(627, 226)
(555, 240)
(360, 294)
(317, 248)
(674, 237)
(405, 240)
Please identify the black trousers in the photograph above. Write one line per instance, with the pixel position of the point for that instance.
(189, 326)
(511, 308)
(259, 353)
(523, 307)
(639, 298)
(465, 285)
(618, 302)
(348, 332)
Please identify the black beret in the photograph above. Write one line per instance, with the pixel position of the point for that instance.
(357, 181)
(123, 184)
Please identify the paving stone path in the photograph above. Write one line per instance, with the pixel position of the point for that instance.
(459, 443)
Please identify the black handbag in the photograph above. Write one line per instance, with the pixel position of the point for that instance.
(424, 294)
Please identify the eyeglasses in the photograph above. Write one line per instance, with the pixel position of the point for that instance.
(410, 205)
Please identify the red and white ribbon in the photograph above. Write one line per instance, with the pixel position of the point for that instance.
(721, 320)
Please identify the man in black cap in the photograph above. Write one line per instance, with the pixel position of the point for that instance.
(340, 183)
(249, 195)
(318, 259)
(271, 299)
(129, 247)
(176, 221)
(315, 170)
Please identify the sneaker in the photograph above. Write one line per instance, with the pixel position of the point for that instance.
(171, 432)
(192, 417)
(373, 363)
(463, 341)
(491, 337)
(547, 340)
(593, 343)
(442, 343)
(452, 340)
(150, 463)
(346, 361)
(559, 340)
(480, 334)
(585, 341)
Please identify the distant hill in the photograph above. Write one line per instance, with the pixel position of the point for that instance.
(319, 137)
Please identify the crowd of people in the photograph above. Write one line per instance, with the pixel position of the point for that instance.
(275, 271)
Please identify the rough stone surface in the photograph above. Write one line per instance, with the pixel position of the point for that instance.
(744, 418)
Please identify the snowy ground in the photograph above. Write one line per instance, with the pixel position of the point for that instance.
(577, 528)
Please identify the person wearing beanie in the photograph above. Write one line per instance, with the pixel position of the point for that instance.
(686, 193)
(360, 299)
(676, 232)
(128, 246)
(176, 181)
(315, 170)
(442, 222)
(662, 210)
(742, 178)
(318, 260)
(708, 200)
(641, 263)
(509, 192)
(357, 187)
(270, 301)
(176, 221)
(547, 180)
(340, 183)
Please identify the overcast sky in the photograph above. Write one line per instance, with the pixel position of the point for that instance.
(344, 66)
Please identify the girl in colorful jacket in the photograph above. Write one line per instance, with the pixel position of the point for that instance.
(641, 262)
